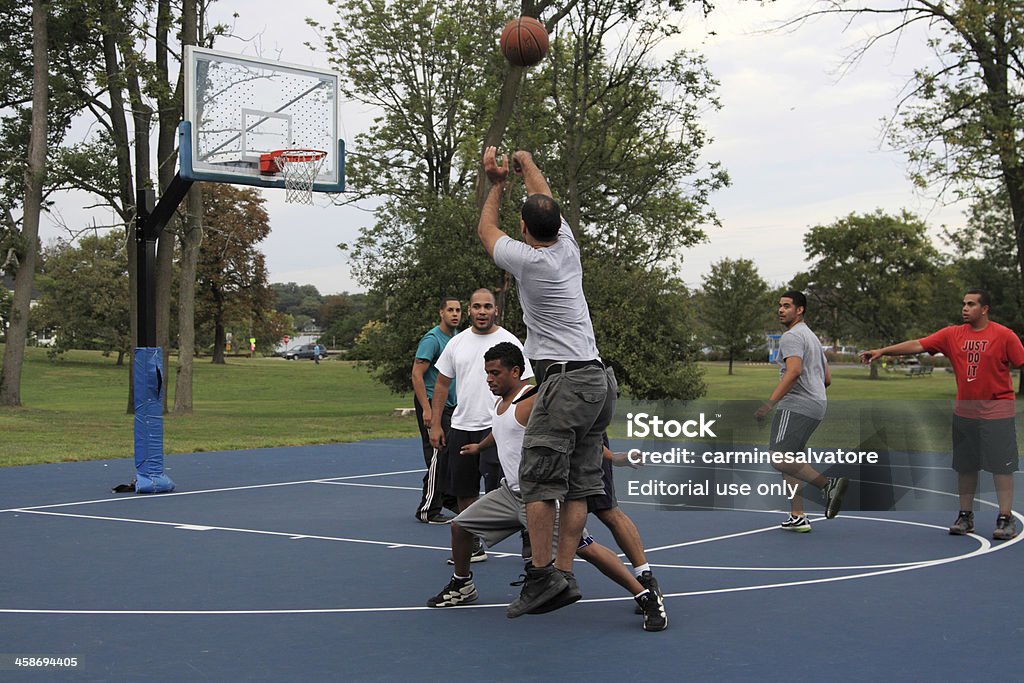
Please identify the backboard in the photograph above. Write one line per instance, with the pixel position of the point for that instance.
(238, 108)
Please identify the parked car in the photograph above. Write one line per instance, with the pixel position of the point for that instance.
(304, 352)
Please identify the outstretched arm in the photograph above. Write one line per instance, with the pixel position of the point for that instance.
(902, 349)
(524, 166)
(487, 229)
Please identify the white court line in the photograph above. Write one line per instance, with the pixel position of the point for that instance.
(372, 486)
(257, 532)
(250, 487)
(985, 548)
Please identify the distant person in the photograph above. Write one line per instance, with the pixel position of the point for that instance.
(984, 434)
(316, 354)
(424, 375)
(799, 401)
(563, 445)
(463, 361)
(502, 512)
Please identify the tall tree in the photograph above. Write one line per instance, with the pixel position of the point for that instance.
(35, 176)
(447, 91)
(232, 272)
(875, 272)
(962, 119)
(735, 298)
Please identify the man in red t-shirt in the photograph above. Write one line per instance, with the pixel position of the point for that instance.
(984, 436)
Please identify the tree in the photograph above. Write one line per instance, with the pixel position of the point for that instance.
(875, 272)
(34, 178)
(231, 272)
(84, 295)
(733, 306)
(628, 167)
(961, 122)
(343, 316)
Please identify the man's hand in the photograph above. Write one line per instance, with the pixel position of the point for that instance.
(428, 418)
(470, 449)
(520, 159)
(761, 413)
(436, 436)
(870, 356)
(494, 166)
(622, 460)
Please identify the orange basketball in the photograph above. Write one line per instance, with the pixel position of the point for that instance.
(524, 41)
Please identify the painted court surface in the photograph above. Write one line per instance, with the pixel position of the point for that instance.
(306, 564)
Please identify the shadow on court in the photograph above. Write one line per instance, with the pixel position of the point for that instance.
(306, 564)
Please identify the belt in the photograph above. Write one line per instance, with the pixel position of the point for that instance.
(569, 366)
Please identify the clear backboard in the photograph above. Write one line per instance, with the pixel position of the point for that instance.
(239, 110)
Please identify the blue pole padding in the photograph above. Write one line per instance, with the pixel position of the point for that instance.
(149, 422)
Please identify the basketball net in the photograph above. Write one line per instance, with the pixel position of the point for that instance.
(299, 167)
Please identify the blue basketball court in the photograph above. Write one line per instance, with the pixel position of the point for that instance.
(306, 564)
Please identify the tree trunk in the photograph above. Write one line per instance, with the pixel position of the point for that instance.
(35, 174)
(191, 238)
(730, 363)
(874, 371)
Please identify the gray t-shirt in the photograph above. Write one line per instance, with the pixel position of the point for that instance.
(807, 396)
(555, 311)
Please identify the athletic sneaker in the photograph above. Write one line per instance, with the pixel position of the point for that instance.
(568, 596)
(964, 523)
(457, 592)
(652, 606)
(479, 554)
(796, 523)
(834, 490)
(439, 518)
(648, 581)
(1006, 528)
(542, 584)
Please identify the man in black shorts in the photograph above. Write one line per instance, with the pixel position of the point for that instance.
(981, 352)
(800, 401)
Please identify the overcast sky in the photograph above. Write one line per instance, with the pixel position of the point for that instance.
(801, 142)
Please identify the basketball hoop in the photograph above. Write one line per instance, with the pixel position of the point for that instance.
(299, 167)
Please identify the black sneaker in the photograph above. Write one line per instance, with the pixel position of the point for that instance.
(542, 584)
(964, 524)
(479, 554)
(439, 518)
(568, 596)
(652, 606)
(647, 580)
(833, 492)
(797, 523)
(1006, 528)
(457, 592)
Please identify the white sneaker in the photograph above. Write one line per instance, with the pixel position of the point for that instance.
(798, 524)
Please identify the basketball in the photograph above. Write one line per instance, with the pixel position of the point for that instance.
(524, 41)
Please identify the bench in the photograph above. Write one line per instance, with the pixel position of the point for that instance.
(919, 370)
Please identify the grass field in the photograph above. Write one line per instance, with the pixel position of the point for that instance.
(75, 409)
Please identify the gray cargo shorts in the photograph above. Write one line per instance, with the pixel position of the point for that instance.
(563, 443)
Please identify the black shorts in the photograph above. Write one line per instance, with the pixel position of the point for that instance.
(604, 501)
(791, 431)
(989, 445)
(466, 470)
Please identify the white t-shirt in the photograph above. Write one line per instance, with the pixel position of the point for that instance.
(550, 281)
(463, 361)
(508, 438)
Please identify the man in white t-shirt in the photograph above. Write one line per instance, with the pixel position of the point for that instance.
(463, 360)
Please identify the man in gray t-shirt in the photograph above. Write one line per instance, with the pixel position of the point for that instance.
(800, 401)
(563, 443)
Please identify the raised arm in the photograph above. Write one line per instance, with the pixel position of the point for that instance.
(487, 229)
(526, 168)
